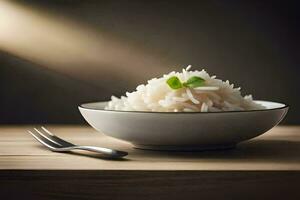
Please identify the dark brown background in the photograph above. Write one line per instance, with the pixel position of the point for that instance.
(253, 44)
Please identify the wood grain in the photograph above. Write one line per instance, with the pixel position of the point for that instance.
(279, 149)
(149, 185)
(267, 167)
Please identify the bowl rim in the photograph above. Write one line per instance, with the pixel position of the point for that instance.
(82, 106)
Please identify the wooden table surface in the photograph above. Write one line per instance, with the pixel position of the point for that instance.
(271, 161)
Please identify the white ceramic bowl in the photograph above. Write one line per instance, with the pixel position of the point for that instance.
(184, 130)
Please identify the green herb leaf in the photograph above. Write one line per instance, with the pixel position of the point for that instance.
(194, 81)
(174, 82)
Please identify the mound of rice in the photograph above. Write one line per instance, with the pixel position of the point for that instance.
(214, 96)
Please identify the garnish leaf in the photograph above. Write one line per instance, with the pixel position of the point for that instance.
(174, 82)
(194, 81)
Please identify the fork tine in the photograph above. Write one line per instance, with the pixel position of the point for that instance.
(46, 137)
(47, 131)
(57, 139)
(44, 141)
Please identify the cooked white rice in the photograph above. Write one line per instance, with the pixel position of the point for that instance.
(156, 96)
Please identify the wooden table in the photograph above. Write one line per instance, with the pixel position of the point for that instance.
(267, 167)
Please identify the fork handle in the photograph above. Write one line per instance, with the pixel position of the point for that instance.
(109, 152)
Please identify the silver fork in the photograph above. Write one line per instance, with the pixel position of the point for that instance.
(57, 144)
